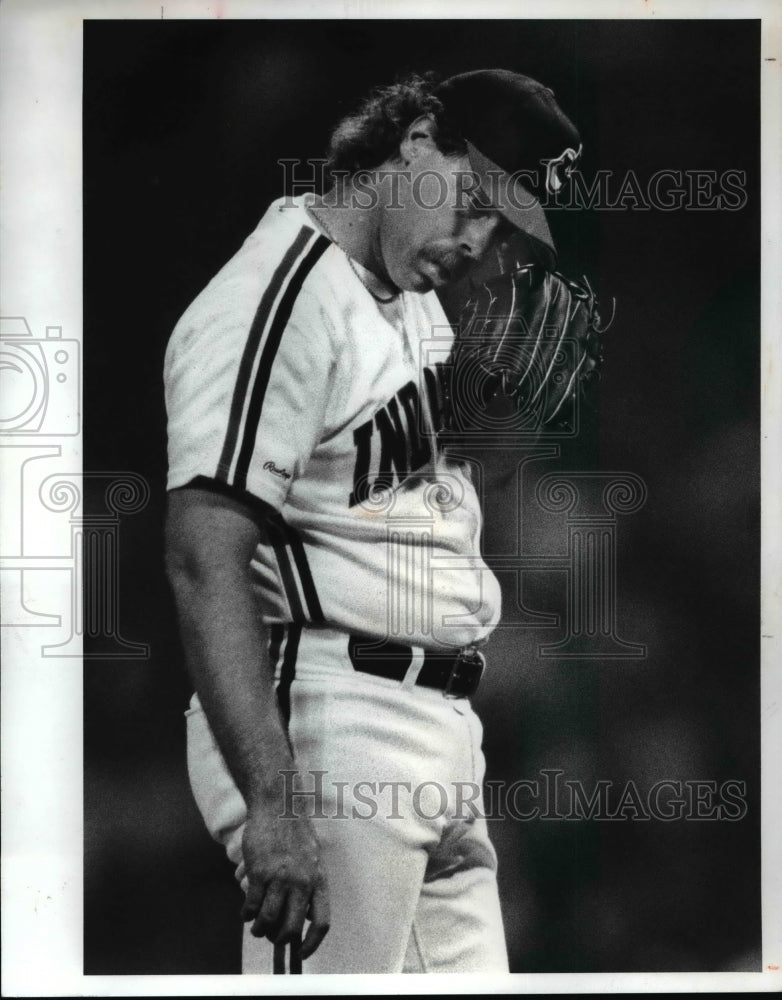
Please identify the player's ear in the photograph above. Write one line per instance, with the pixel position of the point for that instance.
(419, 138)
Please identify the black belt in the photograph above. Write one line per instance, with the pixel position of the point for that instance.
(457, 674)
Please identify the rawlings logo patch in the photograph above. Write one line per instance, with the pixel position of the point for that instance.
(271, 467)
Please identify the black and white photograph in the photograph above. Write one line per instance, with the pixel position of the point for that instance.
(390, 560)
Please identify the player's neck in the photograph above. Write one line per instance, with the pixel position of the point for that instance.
(351, 226)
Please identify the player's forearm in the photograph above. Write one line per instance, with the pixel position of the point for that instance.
(226, 651)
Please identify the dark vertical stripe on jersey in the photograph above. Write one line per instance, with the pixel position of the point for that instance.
(276, 533)
(251, 349)
(305, 574)
(282, 535)
(277, 634)
(288, 673)
(268, 354)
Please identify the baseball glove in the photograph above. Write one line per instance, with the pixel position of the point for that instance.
(526, 344)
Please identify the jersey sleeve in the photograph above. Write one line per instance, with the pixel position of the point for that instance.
(246, 397)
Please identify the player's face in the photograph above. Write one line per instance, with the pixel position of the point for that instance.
(441, 230)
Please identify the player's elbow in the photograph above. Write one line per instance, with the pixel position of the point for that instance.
(183, 565)
(206, 540)
(197, 578)
(187, 565)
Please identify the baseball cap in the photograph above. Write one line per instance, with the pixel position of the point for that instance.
(520, 144)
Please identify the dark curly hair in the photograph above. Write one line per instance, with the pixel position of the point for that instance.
(371, 135)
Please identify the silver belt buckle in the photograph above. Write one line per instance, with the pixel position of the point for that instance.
(471, 657)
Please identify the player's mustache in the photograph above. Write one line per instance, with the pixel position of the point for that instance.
(456, 264)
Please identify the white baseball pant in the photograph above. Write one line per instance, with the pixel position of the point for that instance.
(412, 873)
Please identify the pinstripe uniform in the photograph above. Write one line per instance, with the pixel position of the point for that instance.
(295, 383)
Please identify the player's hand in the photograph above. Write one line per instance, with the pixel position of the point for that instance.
(284, 879)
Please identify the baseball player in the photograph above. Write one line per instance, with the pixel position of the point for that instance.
(324, 550)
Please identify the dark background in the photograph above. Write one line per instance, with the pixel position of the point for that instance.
(183, 125)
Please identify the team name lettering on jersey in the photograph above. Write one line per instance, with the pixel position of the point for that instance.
(398, 439)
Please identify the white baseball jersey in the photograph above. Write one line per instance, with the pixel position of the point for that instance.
(289, 382)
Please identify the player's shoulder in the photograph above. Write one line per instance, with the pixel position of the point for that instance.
(283, 220)
(271, 255)
(275, 271)
(284, 246)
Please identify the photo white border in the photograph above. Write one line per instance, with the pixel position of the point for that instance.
(41, 279)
